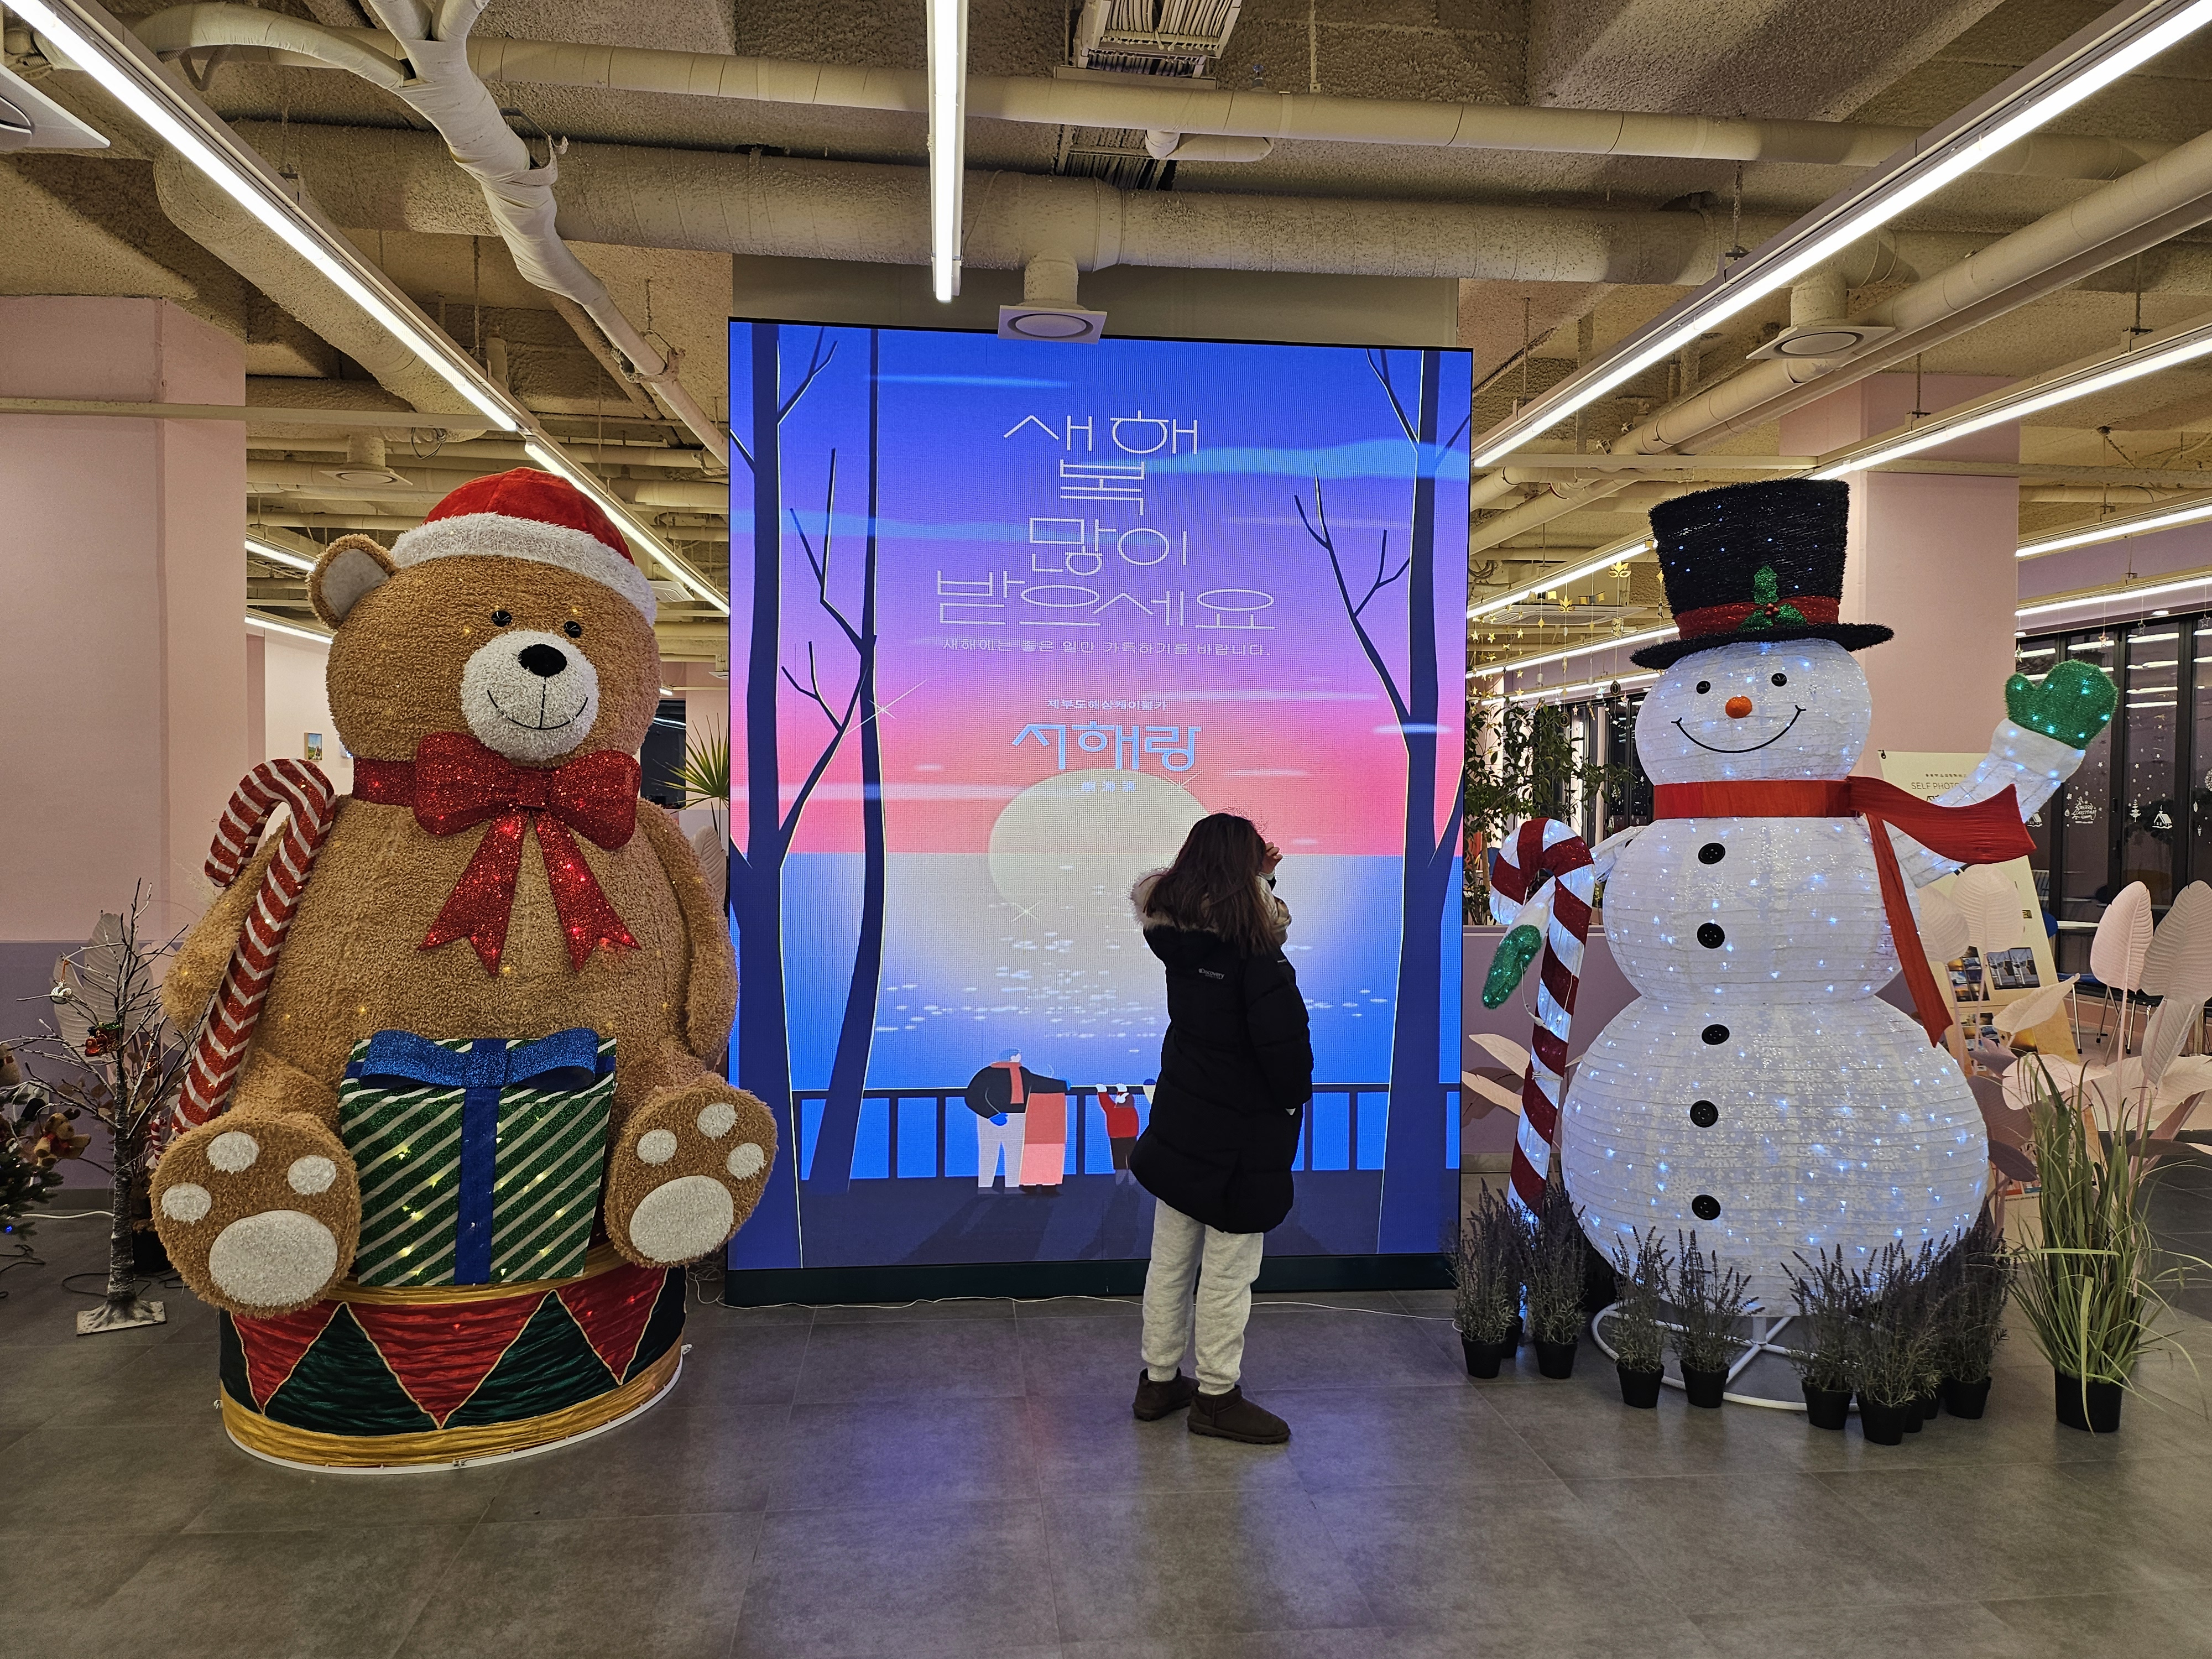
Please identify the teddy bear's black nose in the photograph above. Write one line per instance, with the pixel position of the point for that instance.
(543, 661)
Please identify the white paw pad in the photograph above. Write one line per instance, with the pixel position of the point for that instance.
(716, 1119)
(274, 1260)
(312, 1174)
(746, 1161)
(185, 1202)
(682, 1221)
(233, 1150)
(656, 1146)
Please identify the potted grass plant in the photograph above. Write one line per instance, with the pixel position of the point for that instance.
(1979, 1272)
(1555, 1279)
(1640, 1332)
(2087, 1284)
(1892, 1345)
(1710, 1297)
(1486, 1268)
(1827, 1322)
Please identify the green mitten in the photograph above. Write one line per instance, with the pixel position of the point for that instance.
(1515, 953)
(2072, 704)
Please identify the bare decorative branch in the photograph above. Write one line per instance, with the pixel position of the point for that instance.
(1317, 527)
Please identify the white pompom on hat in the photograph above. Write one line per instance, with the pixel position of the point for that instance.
(527, 514)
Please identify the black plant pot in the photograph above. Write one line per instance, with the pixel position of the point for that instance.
(1704, 1389)
(1483, 1358)
(1826, 1408)
(1640, 1389)
(1514, 1335)
(1883, 1426)
(1913, 1420)
(1931, 1404)
(2103, 1416)
(1555, 1359)
(1965, 1399)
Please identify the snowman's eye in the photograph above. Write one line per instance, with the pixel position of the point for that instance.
(1703, 686)
(1782, 679)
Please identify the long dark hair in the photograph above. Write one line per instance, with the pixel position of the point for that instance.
(1214, 887)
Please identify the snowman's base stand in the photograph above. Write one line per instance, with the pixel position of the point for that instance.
(1761, 1375)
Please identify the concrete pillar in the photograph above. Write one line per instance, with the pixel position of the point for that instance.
(1932, 556)
(125, 677)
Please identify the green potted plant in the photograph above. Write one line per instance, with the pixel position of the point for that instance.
(1892, 1347)
(2086, 1284)
(1972, 1322)
(1709, 1298)
(1555, 1279)
(1827, 1324)
(1485, 1268)
(1640, 1332)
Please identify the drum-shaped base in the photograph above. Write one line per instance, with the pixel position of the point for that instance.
(378, 1378)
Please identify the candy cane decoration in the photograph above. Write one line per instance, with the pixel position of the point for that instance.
(1546, 847)
(237, 1010)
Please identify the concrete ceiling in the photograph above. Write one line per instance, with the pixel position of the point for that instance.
(96, 224)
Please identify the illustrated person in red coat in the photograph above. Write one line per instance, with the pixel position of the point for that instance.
(1119, 1106)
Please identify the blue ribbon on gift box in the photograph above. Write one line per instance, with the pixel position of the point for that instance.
(566, 1060)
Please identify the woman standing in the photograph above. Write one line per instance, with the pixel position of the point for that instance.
(1235, 1073)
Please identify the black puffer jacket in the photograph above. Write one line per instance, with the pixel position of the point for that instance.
(1235, 1073)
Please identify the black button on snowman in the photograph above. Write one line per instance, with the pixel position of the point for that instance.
(1759, 1090)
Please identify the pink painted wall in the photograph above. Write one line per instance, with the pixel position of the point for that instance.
(296, 701)
(125, 676)
(1932, 556)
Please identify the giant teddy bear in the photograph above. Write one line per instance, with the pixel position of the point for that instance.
(478, 1126)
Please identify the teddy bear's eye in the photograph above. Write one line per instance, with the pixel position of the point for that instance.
(501, 618)
(1703, 686)
(575, 631)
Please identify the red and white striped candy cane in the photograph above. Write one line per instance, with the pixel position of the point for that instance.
(313, 802)
(1545, 847)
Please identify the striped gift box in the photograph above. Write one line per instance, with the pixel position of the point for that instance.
(480, 1160)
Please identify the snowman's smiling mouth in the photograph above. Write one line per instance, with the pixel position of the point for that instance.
(1747, 748)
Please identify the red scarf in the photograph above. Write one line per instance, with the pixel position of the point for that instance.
(1987, 832)
(455, 783)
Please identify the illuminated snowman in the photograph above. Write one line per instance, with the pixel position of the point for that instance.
(1759, 1090)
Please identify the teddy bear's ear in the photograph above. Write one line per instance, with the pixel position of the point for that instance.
(348, 568)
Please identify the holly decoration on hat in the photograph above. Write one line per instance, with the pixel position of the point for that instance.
(1767, 609)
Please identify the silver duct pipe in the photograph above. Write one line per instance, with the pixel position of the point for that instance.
(1186, 113)
(445, 92)
(197, 207)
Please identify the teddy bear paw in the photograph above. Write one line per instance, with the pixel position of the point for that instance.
(687, 1167)
(260, 1215)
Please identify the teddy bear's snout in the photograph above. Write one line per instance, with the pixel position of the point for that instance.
(530, 696)
(544, 660)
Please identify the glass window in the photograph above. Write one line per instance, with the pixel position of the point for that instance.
(2149, 815)
(2198, 786)
(2085, 823)
(2033, 658)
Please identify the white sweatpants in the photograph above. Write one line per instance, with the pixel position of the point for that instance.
(993, 1138)
(1224, 1266)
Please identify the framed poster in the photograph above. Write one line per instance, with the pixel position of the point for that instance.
(1009, 618)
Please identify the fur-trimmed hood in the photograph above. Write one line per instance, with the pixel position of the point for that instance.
(1153, 921)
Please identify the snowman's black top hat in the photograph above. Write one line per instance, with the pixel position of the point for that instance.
(1758, 562)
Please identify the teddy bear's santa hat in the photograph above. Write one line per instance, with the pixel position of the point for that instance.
(523, 514)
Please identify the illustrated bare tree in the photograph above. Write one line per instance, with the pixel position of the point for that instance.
(763, 1049)
(1414, 1138)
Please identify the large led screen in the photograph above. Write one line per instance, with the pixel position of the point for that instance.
(1009, 618)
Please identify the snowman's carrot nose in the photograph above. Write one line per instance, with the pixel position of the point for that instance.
(1737, 707)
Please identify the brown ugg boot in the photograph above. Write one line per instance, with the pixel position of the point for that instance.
(1157, 1400)
(1232, 1417)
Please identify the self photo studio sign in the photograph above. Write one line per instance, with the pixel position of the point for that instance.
(1009, 618)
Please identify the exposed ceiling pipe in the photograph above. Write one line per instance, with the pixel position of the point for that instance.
(636, 196)
(1152, 103)
(203, 212)
(444, 91)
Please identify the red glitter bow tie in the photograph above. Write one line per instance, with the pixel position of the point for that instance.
(455, 783)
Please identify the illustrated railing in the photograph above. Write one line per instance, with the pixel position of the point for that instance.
(910, 1135)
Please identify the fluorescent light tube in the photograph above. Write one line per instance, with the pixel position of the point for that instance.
(281, 556)
(2105, 595)
(253, 619)
(2123, 39)
(1609, 557)
(2115, 530)
(542, 450)
(126, 79)
(1519, 663)
(947, 24)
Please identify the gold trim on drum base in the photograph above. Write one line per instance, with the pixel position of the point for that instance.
(450, 1449)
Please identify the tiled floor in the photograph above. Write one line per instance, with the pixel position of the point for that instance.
(965, 1478)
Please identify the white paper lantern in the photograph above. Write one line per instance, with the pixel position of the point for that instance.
(1759, 1090)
